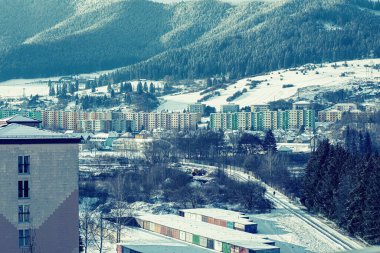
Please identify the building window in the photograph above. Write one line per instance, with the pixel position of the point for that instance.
(23, 189)
(23, 213)
(24, 237)
(23, 164)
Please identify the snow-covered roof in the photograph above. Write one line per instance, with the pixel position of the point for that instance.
(147, 242)
(19, 119)
(302, 102)
(221, 234)
(17, 131)
(223, 214)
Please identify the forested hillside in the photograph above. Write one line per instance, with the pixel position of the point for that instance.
(272, 36)
(183, 40)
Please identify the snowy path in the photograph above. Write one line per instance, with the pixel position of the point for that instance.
(293, 228)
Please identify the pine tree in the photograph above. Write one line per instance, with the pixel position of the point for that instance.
(367, 143)
(64, 90)
(152, 88)
(314, 175)
(71, 89)
(209, 82)
(128, 87)
(356, 201)
(139, 88)
(166, 88)
(145, 87)
(76, 85)
(372, 204)
(361, 143)
(269, 141)
(128, 99)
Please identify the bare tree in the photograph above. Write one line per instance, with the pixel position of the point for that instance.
(122, 210)
(85, 220)
(99, 231)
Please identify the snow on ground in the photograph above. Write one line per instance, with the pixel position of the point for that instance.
(14, 88)
(291, 233)
(271, 88)
(17, 87)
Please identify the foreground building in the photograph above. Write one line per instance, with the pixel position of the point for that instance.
(221, 217)
(38, 190)
(146, 242)
(208, 236)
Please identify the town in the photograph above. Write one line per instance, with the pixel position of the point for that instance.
(201, 150)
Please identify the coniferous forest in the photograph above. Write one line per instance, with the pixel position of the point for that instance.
(344, 186)
(189, 39)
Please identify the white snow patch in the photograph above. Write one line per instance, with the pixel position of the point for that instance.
(271, 87)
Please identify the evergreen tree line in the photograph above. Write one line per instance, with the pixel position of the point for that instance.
(61, 90)
(370, 4)
(284, 36)
(299, 36)
(90, 102)
(344, 186)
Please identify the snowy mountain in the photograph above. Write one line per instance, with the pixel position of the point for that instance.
(185, 39)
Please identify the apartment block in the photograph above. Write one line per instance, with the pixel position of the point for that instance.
(329, 116)
(196, 108)
(263, 120)
(229, 108)
(38, 190)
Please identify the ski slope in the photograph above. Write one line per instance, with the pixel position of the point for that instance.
(305, 81)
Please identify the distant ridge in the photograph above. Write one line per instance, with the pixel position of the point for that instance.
(184, 40)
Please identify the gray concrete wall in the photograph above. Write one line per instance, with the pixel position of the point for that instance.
(53, 183)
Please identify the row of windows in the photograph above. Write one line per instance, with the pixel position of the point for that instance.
(23, 193)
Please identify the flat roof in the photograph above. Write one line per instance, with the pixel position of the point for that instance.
(147, 242)
(19, 119)
(21, 134)
(211, 231)
(222, 214)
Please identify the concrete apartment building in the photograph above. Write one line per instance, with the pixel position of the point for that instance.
(228, 108)
(263, 120)
(196, 108)
(336, 112)
(106, 121)
(302, 105)
(38, 190)
(259, 108)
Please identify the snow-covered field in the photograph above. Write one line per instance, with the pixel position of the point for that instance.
(271, 87)
(27, 87)
(15, 88)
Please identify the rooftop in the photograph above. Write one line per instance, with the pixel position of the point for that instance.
(302, 102)
(147, 242)
(227, 215)
(16, 133)
(221, 234)
(19, 119)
